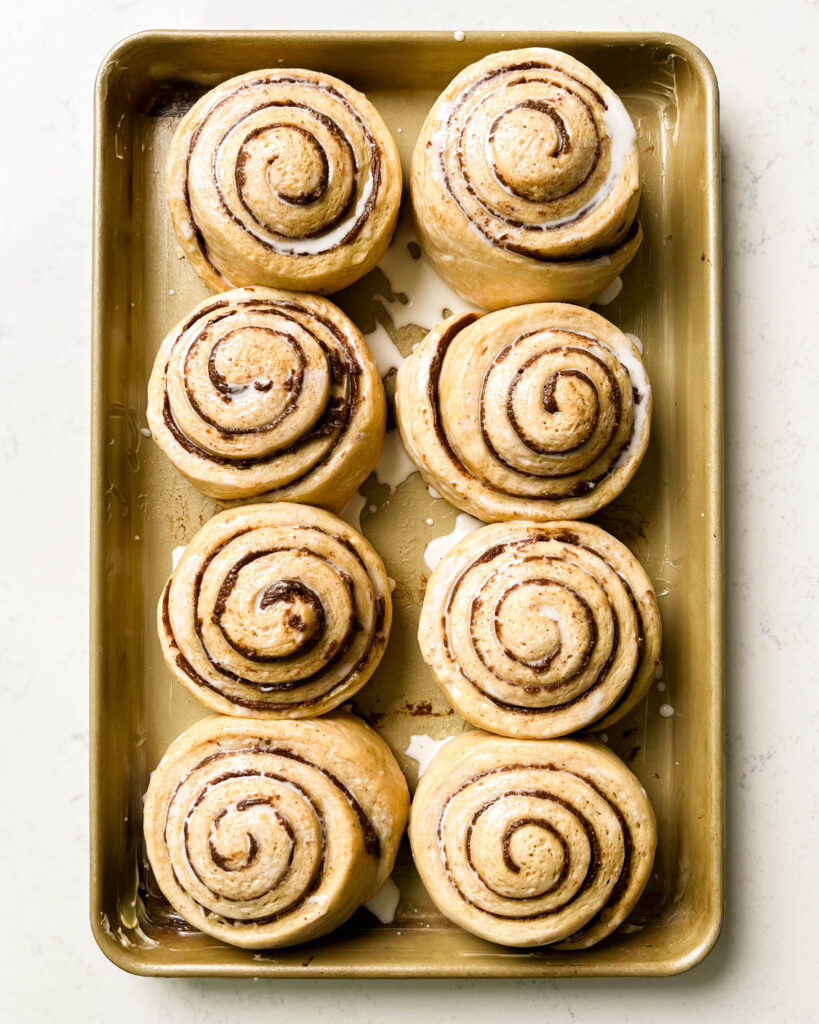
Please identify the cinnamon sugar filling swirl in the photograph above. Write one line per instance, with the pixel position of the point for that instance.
(529, 843)
(283, 177)
(539, 630)
(537, 412)
(275, 611)
(271, 833)
(263, 391)
(525, 181)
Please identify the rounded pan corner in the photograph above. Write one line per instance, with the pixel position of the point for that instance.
(125, 50)
(120, 52)
(696, 57)
(702, 944)
(127, 960)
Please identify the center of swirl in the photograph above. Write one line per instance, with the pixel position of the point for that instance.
(568, 398)
(527, 625)
(255, 359)
(525, 142)
(250, 842)
(526, 845)
(297, 164)
(293, 616)
(534, 849)
(233, 843)
(294, 161)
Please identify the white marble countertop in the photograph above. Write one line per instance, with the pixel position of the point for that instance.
(761, 968)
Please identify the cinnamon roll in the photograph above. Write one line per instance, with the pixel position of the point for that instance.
(283, 177)
(263, 391)
(537, 412)
(525, 181)
(271, 833)
(537, 630)
(532, 842)
(275, 611)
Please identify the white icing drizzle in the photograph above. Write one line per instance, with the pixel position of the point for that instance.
(176, 554)
(639, 381)
(415, 279)
(428, 295)
(609, 294)
(550, 613)
(385, 902)
(351, 513)
(666, 711)
(437, 548)
(422, 748)
(383, 350)
(637, 343)
(394, 466)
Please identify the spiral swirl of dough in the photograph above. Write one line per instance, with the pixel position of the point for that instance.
(263, 391)
(537, 412)
(525, 181)
(539, 630)
(283, 177)
(532, 842)
(275, 611)
(271, 833)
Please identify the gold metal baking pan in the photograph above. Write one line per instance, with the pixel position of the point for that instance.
(671, 514)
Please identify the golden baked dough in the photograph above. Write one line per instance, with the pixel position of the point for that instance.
(537, 630)
(525, 181)
(532, 842)
(271, 833)
(263, 391)
(275, 611)
(535, 412)
(283, 177)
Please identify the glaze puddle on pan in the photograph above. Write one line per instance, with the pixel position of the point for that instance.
(670, 515)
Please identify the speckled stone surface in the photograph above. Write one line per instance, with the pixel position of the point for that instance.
(763, 966)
